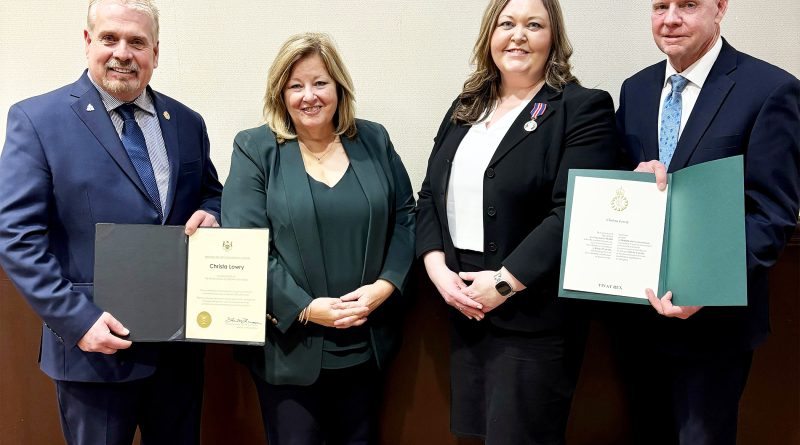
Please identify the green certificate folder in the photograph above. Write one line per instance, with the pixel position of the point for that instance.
(612, 249)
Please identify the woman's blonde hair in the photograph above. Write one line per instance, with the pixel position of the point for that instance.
(298, 47)
(482, 88)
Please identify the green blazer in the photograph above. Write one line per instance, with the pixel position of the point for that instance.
(268, 187)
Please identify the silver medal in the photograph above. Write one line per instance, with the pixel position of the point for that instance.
(531, 125)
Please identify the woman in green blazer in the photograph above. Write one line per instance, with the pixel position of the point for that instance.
(339, 206)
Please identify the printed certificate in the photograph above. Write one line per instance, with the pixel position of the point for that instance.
(622, 235)
(616, 235)
(165, 286)
(226, 285)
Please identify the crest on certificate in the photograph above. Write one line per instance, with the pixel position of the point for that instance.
(619, 202)
(204, 319)
(227, 246)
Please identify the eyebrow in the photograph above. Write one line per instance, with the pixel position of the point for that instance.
(529, 18)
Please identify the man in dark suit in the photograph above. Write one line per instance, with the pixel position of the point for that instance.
(688, 366)
(106, 148)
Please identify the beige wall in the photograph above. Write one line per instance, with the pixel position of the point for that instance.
(408, 58)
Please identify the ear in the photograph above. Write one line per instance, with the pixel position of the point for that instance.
(87, 38)
(722, 7)
(155, 55)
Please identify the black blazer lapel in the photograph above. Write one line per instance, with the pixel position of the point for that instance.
(169, 131)
(517, 132)
(377, 196)
(90, 109)
(300, 206)
(715, 90)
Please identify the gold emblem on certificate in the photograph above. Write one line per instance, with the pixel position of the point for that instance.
(619, 202)
(204, 319)
(227, 246)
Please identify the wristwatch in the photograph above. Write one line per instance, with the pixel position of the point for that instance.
(502, 286)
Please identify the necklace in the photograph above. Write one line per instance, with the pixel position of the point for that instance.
(325, 153)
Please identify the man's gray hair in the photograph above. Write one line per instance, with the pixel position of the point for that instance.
(146, 6)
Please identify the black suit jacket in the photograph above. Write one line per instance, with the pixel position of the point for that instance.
(524, 192)
(746, 107)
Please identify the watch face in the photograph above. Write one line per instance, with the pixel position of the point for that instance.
(504, 288)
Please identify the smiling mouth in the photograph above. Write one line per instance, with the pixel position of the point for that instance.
(311, 110)
(517, 51)
(122, 70)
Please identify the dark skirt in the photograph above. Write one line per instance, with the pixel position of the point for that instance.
(510, 387)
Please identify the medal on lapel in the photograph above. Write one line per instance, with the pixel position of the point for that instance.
(537, 110)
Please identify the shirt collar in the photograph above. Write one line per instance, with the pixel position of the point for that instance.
(697, 73)
(144, 101)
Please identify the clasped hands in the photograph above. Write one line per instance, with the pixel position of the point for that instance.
(104, 335)
(350, 309)
(664, 304)
(475, 300)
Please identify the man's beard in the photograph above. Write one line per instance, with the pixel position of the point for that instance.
(121, 86)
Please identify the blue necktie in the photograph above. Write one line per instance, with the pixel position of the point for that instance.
(135, 145)
(671, 120)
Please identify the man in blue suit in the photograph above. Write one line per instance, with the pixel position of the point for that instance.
(109, 149)
(686, 367)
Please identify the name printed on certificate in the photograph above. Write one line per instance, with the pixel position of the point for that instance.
(226, 285)
(615, 237)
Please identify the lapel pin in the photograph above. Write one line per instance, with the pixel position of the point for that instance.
(90, 107)
(537, 110)
(166, 115)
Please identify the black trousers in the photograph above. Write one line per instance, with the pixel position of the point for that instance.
(165, 406)
(511, 387)
(686, 399)
(341, 407)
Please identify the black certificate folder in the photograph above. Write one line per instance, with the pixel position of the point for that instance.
(140, 277)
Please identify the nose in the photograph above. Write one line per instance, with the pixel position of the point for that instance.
(672, 17)
(122, 51)
(308, 94)
(519, 34)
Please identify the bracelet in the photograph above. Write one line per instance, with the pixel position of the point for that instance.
(303, 317)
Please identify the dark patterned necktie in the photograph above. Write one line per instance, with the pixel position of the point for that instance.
(134, 142)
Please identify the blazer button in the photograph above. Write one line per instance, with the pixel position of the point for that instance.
(490, 172)
(274, 320)
(491, 211)
(492, 247)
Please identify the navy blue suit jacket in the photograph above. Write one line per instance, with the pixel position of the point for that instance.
(746, 107)
(62, 170)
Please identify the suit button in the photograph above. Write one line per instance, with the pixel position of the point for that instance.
(490, 172)
(492, 247)
(274, 320)
(491, 211)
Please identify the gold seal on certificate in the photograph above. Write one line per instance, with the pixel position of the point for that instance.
(204, 319)
(619, 202)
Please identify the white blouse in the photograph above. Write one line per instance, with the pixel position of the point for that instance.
(465, 188)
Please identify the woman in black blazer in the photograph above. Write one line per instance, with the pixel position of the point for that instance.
(490, 221)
